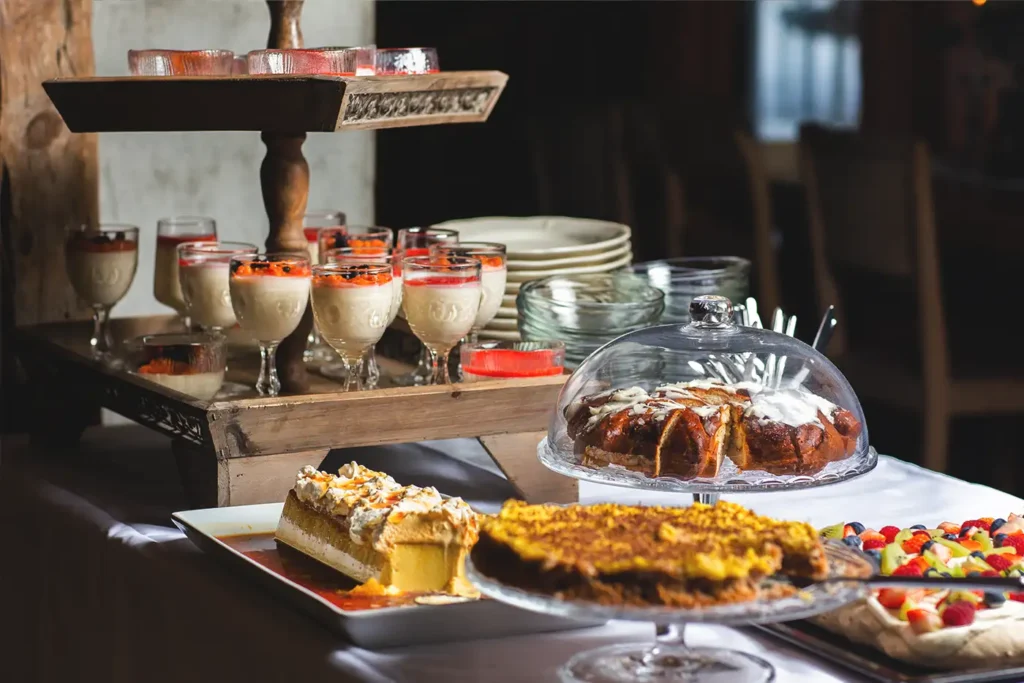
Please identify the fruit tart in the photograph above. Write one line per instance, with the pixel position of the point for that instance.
(943, 629)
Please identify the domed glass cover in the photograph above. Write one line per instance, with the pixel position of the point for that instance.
(710, 406)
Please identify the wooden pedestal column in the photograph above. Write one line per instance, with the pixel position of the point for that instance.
(284, 180)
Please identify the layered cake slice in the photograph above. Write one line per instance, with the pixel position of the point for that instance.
(629, 555)
(367, 526)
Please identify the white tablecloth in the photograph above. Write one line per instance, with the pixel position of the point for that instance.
(120, 615)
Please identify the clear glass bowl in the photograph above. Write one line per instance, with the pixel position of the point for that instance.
(586, 311)
(180, 62)
(190, 363)
(758, 411)
(683, 279)
(504, 360)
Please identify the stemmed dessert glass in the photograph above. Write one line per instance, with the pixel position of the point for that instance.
(492, 277)
(170, 233)
(441, 300)
(352, 303)
(313, 222)
(367, 255)
(101, 262)
(417, 242)
(204, 269)
(269, 293)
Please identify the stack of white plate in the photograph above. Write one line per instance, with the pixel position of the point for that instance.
(540, 246)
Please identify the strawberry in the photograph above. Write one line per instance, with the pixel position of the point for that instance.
(908, 569)
(990, 572)
(848, 530)
(998, 562)
(889, 532)
(913, 544)
(874, 544)
(969, 545)
(977, 524)
(924, 621)
(893, 598)
(1017, 542)
(987, 520)
(958, 614)
(1017, 597)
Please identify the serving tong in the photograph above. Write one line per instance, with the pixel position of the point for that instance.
(769, 372)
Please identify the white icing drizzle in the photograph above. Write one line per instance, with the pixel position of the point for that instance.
(794, 407)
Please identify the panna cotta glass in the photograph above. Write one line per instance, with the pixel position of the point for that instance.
(170, 234)
(192, 364)
(441, 301)
(312, 223)
(101, 262)
(366, 254)
(204, 269)
(493, 272)
(417, 242)
(352, 304)
(269, 293)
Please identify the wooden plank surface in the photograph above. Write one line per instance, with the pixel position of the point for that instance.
(516, 455)
(274, 104)
(48, 177)
(400, 415)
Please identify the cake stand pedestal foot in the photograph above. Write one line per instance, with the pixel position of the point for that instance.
(516, 455)
(212, 481)
(669, 659)
(706, 498)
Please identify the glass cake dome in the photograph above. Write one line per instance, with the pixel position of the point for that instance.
(708, 407)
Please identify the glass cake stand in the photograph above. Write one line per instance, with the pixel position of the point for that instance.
(669, 659)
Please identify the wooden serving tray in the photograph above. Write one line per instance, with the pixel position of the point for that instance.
(274, 104)
(247, 450)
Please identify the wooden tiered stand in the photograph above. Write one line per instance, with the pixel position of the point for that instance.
(248, 450)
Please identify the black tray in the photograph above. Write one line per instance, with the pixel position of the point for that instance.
(874, 664)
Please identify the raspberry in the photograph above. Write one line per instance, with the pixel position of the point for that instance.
(958, 614)
(908, 570)
(998, 562)
(977, 523)
(1016, 541)
(874, 545)
(889, 532)
(914, 543)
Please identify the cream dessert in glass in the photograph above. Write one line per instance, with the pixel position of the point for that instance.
(101, 262)
(493, 272)
(269, 293)
(312, 223)
(417, 242)
(170, 233)
(352, 302)
(192, 364)
(371, 371)
(204, 269)
(441, 301)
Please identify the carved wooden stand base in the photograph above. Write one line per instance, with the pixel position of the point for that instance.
(212, 482)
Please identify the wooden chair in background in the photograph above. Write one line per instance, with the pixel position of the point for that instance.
(874, 247)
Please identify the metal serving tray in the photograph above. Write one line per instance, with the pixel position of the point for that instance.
(373, 628)
(874, 664)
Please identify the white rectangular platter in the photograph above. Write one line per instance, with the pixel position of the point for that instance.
(371, 628)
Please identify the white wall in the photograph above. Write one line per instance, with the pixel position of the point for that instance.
(145, 176)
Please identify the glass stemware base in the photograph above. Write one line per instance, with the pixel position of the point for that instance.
(665, 663)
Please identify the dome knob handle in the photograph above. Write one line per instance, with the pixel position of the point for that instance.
(711, 310)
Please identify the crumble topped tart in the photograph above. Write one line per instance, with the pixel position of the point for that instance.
(621, 554)
(372, 529)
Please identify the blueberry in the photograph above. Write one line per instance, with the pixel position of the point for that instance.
(926, 545)
(946, 575)
(978, 554)
(874, 554)
(998, 539)
(994, 599)
(853, 541)
(919, 526)
(857, 527)
(932, 572)
(950, 537)
(996, 524)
